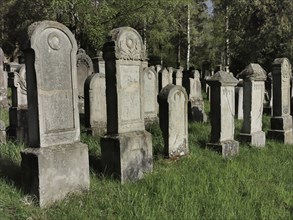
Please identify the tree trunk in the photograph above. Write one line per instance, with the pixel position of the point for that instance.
(188, 37)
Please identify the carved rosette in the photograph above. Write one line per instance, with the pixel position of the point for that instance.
(128, 44)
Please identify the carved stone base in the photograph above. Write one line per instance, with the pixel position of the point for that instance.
(281, 129)
(18, 128)
(226, 148)
(284, 136)
(127, 156)
(257, 139)
(51, 173)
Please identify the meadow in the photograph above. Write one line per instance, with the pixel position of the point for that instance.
(257, 184)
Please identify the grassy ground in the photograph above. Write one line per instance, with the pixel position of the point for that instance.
(257, 184)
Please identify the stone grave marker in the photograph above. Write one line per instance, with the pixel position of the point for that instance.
(95, 104)
(84, 69)
(281, 121)
(127, 147)
(56, 162)
(18, 124)
(222, 86)
(151, 107)
(253, 94)
(163, 78)
(173, 120)
(239, 100)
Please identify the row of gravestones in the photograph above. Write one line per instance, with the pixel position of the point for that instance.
(49, 168)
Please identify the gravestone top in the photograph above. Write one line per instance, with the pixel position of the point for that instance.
(284, 64)
(195, 74)
(222, 78)
(253, 72)
(127, 43)
(83, 58)
(168, 90)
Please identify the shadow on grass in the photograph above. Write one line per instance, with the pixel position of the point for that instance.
(10, 171)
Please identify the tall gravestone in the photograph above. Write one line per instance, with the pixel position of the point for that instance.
(95, 104)
(127, 147)
(56, 162)
(239, 100)
(222, 100)
(177, 77)
(151, 107)
(196, 110)
(253, 94)
(173, 120)
(84, 69)
(281, 121)
(18, 124)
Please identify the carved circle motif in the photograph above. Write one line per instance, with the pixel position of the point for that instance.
(150, 75)
(54, 41)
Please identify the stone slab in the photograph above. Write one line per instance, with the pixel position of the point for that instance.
(281, 123)
(281, 135)
(257, 139)
(51, 173)
(226, 148)
(127, 156)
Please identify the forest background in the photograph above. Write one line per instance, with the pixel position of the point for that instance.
(184, 33)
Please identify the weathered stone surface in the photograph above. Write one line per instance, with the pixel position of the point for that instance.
(2, 133)
(95, 104)
(253, 88)
(196, 111)
(55, 171)
(84, 69)
(173, 120)
(222, 113)
(239, 100)
(163, 78)
(151, 107)
(178, 75)
(281, 121)
(127, 156)
(3, 82)
(123, 56)
(49, 168)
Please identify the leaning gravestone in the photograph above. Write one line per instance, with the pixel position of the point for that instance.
(281, 121)
(84, 69)
(253, 94)
(151, 107)
(56, 163)
(127, 147)
(18, 124)
(222, 113)
(173, 120)
(95, 104)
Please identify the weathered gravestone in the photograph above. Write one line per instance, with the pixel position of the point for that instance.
(239, 100)
(222, 113)
(177, 77)
(56, 163)
(173, 120)
(95, 104)
(195, 98)
(18, 124)
(281, 121)
(253, 94)
(84, 69)
(127, 147)
(268, 100)
(151, 107)
(3, 82)
(163, 78)
(170, 74)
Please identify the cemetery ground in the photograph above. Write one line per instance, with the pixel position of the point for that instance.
(257, 184)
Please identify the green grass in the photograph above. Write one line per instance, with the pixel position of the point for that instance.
(257, 184)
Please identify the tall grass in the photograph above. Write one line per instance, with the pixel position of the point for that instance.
(257, 184)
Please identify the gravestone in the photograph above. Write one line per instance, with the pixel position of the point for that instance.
(253, 94)
(196, 106)
(281, 121)
(158, 68)
(177, 77)
(84, 69)
(151, 107)
(163, 78)
(56, 162)
(222, 114)
(170, 74)
(18, 124)
(239, 100)
(173, 120)
(268, 95)
(95, 104)
(3, 82)
(127, 147)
